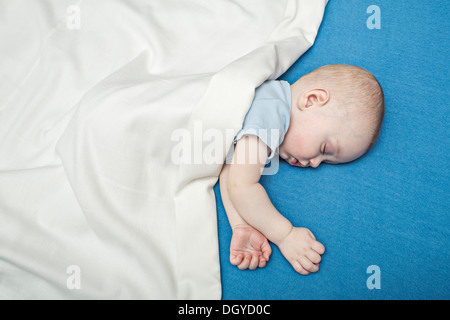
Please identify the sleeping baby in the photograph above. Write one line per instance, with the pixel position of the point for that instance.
(331, 115)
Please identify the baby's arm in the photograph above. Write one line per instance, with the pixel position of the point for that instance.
(233, 216)
(248, 248)
(298, 245)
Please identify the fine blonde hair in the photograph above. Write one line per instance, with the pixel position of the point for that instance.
(354, 88)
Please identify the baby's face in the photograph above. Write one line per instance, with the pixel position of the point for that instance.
(319, 135)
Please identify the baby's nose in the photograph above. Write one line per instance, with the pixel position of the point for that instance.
(314, 163)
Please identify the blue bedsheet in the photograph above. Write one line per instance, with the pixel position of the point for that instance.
(389, 209)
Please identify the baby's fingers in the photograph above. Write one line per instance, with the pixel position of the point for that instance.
(308, 265)
(314, 257)
(267, 251)
(254, 262)
(236, 259)
(318, 247)
(298, 267)
(245, 263)
(262, 262)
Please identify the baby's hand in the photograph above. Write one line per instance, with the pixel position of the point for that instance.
(249, 248)
(302, 250)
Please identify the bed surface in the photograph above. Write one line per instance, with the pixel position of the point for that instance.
(389, 209)
(85, 186)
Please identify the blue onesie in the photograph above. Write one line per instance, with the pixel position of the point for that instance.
(268, 116)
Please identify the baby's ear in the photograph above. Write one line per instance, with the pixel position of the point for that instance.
(313, 98)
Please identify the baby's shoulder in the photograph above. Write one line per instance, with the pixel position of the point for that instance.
(278, 90)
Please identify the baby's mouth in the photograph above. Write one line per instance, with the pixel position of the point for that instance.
(295, 162)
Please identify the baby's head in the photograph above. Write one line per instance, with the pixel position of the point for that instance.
(336, 116)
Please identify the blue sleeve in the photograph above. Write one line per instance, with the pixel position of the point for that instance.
(268, 116)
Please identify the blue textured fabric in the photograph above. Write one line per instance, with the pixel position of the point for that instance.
(390, 208)
(268, 116)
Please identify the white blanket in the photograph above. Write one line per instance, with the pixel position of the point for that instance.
(96, 100)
